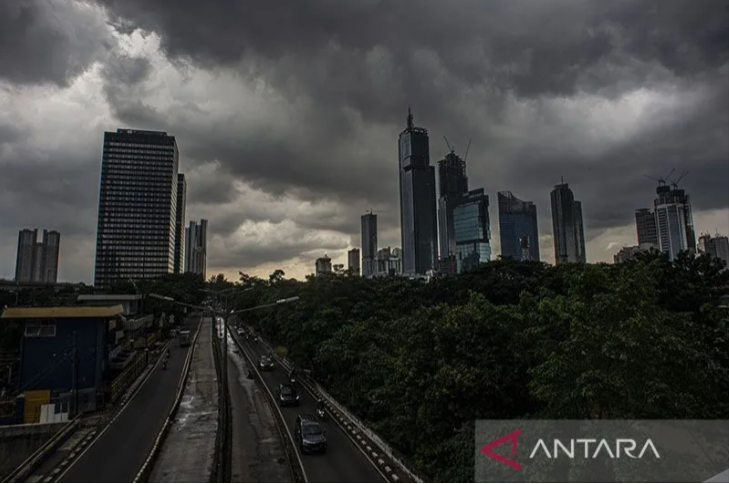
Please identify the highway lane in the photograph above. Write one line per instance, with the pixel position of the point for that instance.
(121, 449)
(343, 462)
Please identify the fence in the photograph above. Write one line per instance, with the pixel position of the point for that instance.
(128, 376)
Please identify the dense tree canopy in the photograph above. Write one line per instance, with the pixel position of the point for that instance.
(421, 361)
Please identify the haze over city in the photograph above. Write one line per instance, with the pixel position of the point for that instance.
(287, 118)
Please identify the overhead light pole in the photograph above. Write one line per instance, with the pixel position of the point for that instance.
(224, 314)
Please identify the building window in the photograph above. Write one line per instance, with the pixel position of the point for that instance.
(40, 329)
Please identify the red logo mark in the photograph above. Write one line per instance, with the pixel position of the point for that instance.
(488, 449)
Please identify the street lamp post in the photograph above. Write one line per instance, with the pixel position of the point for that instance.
(225, 316)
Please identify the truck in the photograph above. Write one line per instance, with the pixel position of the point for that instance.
(185, 338)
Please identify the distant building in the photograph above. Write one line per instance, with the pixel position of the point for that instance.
(517, 221)
(323, 265)
(180, 224)
(37, 261)
(628, 253)
(418, 213)
(645, 224)
(369, 244)
(448, 266)
(353, 259)
(452, 185)
(389, 262)
(472, 230)
(137, 222)
(567, 226)
(717, 246)
(196, 253)
(674, 221)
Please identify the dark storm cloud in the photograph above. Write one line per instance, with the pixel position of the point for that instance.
(49, 41)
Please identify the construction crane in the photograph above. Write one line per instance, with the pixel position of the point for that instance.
(674, 183)
(449, 145)
(468, 147)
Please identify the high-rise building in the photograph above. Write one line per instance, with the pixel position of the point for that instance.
(518, 221)
(472, 230)
(137, 220)
(452, 185)
(645, 224)
(567, 226)
(418, 216)
(717, 246)
(196, 253)
(323, 265)
(180, 224)
(37, 261)
(674, 221)
(353, 259)
(369, 244)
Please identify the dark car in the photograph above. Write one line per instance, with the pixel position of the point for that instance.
(265, 363)
(310, 435)
(288, 396)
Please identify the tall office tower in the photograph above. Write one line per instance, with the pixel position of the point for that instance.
(674, 222)
(717, 246)
(569, 232)
(518, 221)
(452, 184)
(472, 230)
(137, 206)
(196, 253)
(645, 223)
(369, 244)
(37, 261)
(353, 259)
(418, 213)
(51, 250)
(323, 265)
(180, 224)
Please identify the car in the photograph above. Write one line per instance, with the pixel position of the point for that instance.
(288, 396)
(265, 363)
(310, 435)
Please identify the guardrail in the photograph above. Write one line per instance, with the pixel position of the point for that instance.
(26, 469)
(146, 469)
(224, 435)
(292, 456)
(367, 440)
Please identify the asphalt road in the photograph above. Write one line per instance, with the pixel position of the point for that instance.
(121, 449)
(343, 462)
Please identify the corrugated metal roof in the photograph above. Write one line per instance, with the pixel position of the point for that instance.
(63, 312)
(109, 297)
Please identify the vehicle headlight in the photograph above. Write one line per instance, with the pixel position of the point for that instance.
(297, 397)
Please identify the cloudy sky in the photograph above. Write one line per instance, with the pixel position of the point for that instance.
(287, 112)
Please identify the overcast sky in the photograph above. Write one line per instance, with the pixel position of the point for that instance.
(287, 113)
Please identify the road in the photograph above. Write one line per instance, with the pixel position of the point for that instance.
(121, 449)
(343, 462)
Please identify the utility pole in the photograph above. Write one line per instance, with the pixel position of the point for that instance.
(74, 376)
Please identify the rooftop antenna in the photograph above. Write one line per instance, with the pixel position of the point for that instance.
(468, 147)
(410, 118)
(449, 145)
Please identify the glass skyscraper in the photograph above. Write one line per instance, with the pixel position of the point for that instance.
(517, 221)
(137, 222)
(472, 230)
(369, 245)
(569, 232)
(674, 221)
(418, 219)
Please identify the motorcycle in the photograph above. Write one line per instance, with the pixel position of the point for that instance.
(321, 413)
(164, 364)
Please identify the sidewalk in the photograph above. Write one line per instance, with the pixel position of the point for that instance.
(187, 454)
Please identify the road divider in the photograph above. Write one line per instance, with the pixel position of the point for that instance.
(222, 455)
(148, 465)
(292, 455)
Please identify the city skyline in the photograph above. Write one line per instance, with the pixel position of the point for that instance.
(284, 168)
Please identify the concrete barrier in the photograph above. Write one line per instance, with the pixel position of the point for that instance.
(24, 447)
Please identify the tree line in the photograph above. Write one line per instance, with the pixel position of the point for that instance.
(419, 362)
